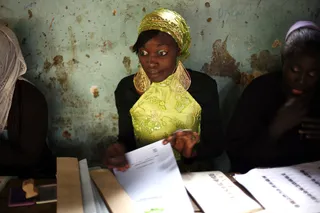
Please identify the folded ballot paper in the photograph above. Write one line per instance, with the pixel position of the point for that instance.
(153, 180)
(215, 192)
(152, 184)
(294, 189)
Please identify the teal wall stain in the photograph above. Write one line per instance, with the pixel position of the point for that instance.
(78, 50)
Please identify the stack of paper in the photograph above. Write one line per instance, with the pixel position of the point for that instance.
(286, 189)
(153, 180)
(92, 201)
(153, 184)
(76, 192)
(215, 192)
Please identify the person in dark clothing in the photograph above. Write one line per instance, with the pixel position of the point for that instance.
(277, 120)
(163, 97)
(23, 117)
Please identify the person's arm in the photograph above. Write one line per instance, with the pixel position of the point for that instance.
(211, 136)
(125, 98)
(204, 90)
(249, 143)
(27, 130)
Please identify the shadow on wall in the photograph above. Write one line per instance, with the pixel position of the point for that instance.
(53, 79)
(93, 152)
(82, 140)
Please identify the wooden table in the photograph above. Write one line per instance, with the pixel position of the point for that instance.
(41, 208)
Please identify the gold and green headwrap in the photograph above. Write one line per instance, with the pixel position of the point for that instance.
(172, 23)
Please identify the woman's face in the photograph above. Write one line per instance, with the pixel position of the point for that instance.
(301, 73)
(158, 57)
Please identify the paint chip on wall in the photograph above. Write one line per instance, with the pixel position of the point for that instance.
(94, 91)
(79, 19)
(50, 27)
(30, 14)
(127, 64)
(58, 60)
(276, 44)
(100, 115)
(222, 63)
(66, 134)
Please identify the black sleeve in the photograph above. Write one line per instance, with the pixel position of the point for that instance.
(27, 129)
(248, 141)
(211, 141)
(204, 90)
(125, 97)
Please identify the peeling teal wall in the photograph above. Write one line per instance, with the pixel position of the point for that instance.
(72, 45)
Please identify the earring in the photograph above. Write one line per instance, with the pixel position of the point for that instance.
(183, 76)
(141, 81)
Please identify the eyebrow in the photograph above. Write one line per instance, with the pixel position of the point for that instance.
(315, 68)
(158, 45)
(162, 45)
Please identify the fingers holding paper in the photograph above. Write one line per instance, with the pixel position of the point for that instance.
(310, 129)
(183, 142)
(115, 157)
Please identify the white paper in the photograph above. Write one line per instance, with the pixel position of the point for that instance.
(99, 203)
(4, 180)
(215, 192)
(153, 180)
(285, 189)
(92, 200)
(86, 188)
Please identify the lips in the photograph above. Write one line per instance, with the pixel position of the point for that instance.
(297, 92)
(153, 73)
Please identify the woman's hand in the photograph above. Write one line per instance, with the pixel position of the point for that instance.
(183, 142)
(115, 157)
(310, 129)
(288, 116)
